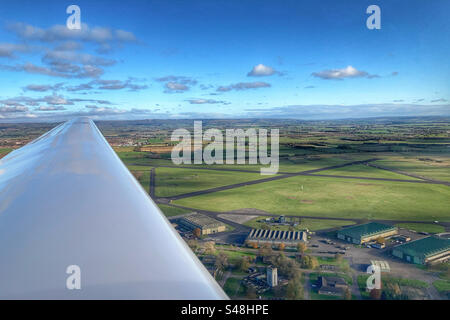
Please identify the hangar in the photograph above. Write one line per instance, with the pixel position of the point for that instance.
(362, 233)
(427, 250)
(206, 224)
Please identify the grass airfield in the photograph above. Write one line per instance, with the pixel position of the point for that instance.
(315, 196)
(415, 151)
(334, 198)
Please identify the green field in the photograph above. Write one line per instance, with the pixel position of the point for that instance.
(235, 256)
(172, 211)
(422, 227)
(143, 177)
(134, 159)
(174, 181)
(402, 282)
(437, 168)
(442, 285)
(366, 171)
(4, 151)
(233, 287)
(334, 197)
(318, 224)
(342, 263)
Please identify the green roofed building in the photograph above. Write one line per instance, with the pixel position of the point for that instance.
(362, 233)
(427, 250)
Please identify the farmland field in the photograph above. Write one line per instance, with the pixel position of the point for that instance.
(428, 167)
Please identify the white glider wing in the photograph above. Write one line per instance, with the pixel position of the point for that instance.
(66, 199)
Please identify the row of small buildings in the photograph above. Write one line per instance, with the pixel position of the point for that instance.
(276, 237)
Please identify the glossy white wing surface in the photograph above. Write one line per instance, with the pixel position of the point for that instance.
(67, 199)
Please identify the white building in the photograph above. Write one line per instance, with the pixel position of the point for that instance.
(272, 276)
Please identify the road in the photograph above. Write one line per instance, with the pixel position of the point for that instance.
(152, 183)
(215, 214)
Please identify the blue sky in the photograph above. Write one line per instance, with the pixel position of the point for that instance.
(220, 59)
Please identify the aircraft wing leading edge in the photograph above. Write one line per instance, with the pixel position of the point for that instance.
(66, 199)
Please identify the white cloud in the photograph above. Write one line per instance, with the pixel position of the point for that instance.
(8, 50)
(205, 101)
(50, 108)
(261, 70)
(176, 84)
(62, 57)
(62, 33)
(42, 87)
(349, 111)
(339, 74)
(244, 86)
(439, 100)
(176, 87)
(13, 109)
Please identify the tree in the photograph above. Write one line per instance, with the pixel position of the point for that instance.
(294, 271)
(244, 263)
(347, 294)
(221, 261)
(375, 294)
(301, 247)
(278, 291)
(251, 293)
(286, 266)
(265, 250)
(193, 244)
(197, 232)
(346, 268)
(309, 262)
(210, 247)
(392, 291)
(294, 290)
